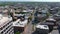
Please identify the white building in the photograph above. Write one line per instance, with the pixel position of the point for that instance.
(42, 29)
(20, 23)
(6, 25)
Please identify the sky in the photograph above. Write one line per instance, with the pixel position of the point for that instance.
(34, 0)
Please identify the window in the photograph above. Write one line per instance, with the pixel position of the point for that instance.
(7, 25)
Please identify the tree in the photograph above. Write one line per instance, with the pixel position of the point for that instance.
(17, 33)
(48, 14)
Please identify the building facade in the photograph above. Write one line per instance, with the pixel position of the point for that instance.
(6, 25)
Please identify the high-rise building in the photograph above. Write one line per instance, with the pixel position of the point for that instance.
(6, 25)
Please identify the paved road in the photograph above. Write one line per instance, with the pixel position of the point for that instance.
(28, 29)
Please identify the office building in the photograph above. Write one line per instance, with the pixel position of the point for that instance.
(6, 25)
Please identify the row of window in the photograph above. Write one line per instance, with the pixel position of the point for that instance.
(11, 31)
(5, 32)
(8, 26)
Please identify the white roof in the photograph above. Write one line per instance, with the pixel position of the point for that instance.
(19, 23)
(30, 10)
(18, 14)
(1, 16)
(42, 26)
(51, 19)
(4, 21)
(5, 11)
(25, 11)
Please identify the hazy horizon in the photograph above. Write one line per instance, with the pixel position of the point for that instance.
(30, 0)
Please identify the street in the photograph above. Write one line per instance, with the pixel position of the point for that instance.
(28, 29)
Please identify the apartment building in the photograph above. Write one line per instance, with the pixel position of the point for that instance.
(6, 25)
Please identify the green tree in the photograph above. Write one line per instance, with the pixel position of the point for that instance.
(17, 33)
(48, 14)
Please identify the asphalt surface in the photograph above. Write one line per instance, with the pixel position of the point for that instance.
(28, 29)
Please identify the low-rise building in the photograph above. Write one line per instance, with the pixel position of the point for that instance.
(56, 17)
(19, 25)
(42, 29)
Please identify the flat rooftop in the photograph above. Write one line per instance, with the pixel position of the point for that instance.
(51, 19)
(19, 23)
